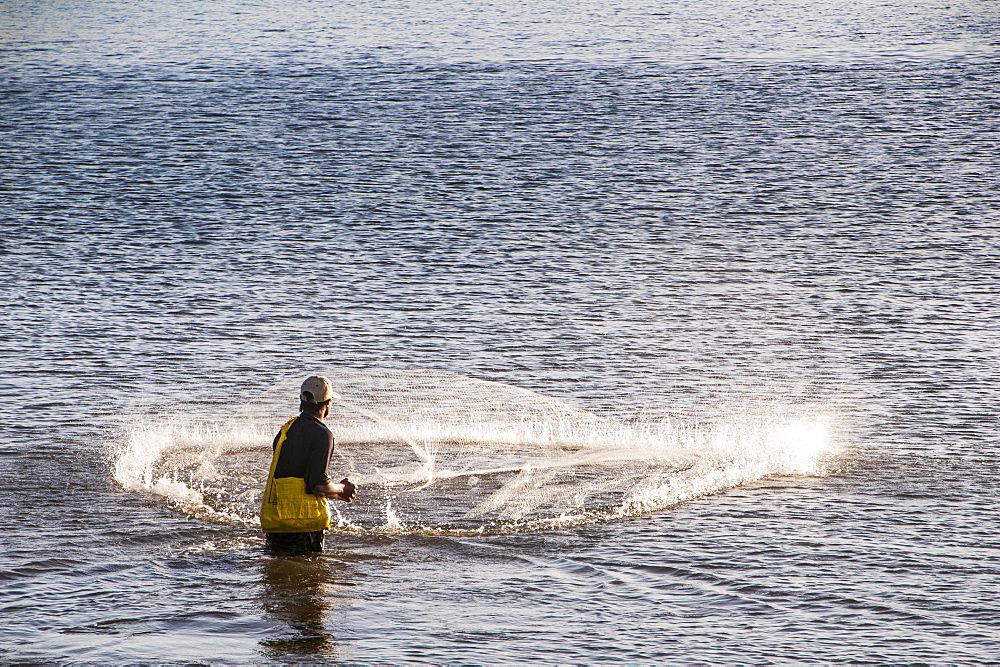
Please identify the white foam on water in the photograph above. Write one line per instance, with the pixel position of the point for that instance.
(438, 452)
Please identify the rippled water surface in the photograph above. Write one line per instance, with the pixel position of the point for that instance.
(666, 332)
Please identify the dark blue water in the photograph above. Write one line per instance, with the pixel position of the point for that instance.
(665, 333)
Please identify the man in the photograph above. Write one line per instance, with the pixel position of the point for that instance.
(294, 513)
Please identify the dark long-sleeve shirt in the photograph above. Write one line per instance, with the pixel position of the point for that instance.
(306, 451)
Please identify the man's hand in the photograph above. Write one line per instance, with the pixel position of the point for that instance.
(346, 490)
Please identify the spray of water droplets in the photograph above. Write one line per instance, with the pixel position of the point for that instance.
(439, 452)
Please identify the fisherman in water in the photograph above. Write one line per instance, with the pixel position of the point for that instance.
(294, 513)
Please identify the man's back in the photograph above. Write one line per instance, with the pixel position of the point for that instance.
(306, 451)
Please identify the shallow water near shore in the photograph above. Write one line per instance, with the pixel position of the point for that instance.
(664, 334)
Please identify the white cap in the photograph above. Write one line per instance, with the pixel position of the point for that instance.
(317, 389)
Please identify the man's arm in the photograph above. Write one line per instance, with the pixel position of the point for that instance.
(345, 490)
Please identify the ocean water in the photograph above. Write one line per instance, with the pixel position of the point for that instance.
(666, 332)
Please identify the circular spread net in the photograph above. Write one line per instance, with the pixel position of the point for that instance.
(434, 451)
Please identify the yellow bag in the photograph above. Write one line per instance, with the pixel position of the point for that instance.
(287, 507)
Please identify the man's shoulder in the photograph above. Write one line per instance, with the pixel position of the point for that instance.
(307, 424)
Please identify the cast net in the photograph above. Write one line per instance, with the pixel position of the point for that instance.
(438, 452)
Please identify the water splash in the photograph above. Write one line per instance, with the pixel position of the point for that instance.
(179, 460)
(438, 452)
(393, 524)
